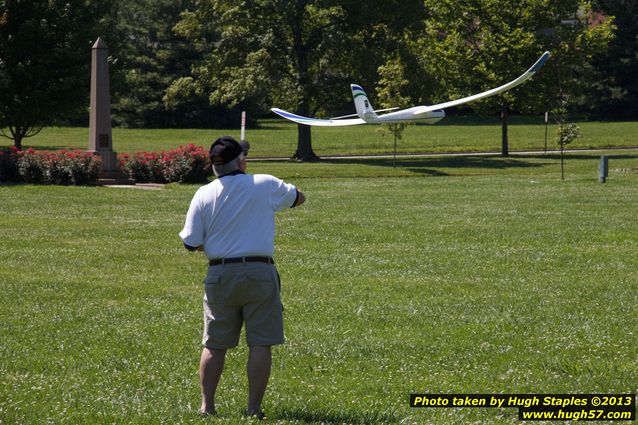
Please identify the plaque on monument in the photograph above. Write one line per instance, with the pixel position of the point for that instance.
(104, 141)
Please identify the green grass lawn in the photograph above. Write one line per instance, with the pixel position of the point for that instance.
(279, 138)
(439, 275)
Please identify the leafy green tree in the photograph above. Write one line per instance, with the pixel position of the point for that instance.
(614, 92)
(150, 60)
(296, 54)
(45, 58)
(473, 45)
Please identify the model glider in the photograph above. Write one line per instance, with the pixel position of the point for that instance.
(423, 114)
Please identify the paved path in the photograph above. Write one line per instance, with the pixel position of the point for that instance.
(143, 186)
(448, 154)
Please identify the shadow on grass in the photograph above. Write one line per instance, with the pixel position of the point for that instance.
(581, 157)
(330, 418)
(433, 166)
(477, 120)
(53, 148)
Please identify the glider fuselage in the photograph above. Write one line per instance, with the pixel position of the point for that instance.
(404, 116)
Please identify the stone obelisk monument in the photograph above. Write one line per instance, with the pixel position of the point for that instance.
(100, 137)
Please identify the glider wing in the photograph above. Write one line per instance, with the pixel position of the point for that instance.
(520, 80)
(317, 122)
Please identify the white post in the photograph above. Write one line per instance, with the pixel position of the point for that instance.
(243, 125)
(546, 116)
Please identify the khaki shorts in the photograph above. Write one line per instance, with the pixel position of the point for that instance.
(242, 293)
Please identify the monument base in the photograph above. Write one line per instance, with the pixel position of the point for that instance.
(111, 173)
(114, 178)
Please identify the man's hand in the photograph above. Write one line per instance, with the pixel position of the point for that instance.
(300, 199)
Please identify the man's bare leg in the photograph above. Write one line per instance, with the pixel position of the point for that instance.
(258, 368)
(211, 366)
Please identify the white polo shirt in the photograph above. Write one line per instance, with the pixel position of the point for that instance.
(234, 216)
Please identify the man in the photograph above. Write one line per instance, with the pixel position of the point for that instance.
(232, 219)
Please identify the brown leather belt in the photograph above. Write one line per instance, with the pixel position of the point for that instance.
(218, 261)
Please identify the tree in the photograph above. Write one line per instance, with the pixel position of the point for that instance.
(478, 44)
(390, 94)
(150, 60)
(45, 57)
(297, 54)
(565, 134)
(615, 89)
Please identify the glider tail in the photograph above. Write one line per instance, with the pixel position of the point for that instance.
(362, 104)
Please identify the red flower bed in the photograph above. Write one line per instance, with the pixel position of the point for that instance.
(49, 167)
(185, 164)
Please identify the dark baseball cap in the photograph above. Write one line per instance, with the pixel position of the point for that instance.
(226, 149)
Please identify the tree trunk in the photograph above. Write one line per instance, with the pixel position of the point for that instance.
(17, 134)
(505, 150)
(304, 150)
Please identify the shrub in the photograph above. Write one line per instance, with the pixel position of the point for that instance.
(31, 166)
(9, 165)
(50, 167)
(143, 167)
(185, 164)
(76, 167)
